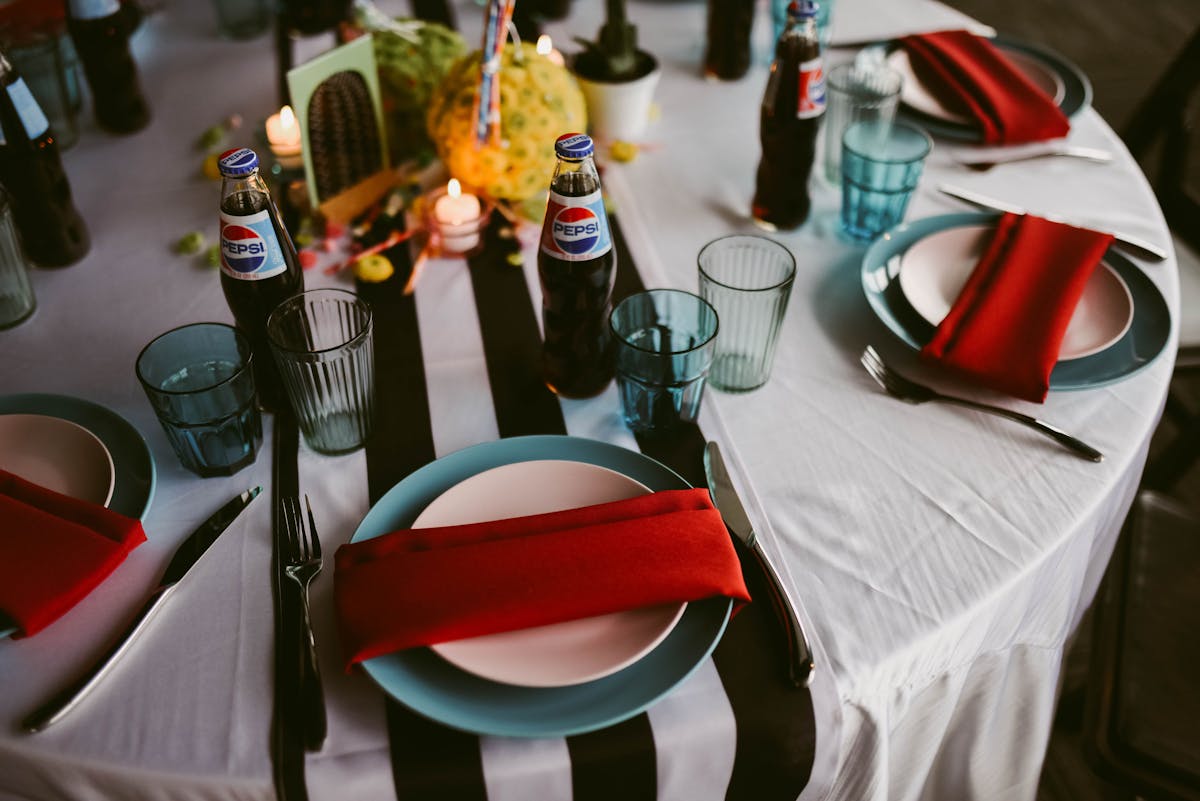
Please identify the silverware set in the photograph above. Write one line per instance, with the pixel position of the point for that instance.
(899, 386)
(1058, 151)
(302, 563)
(186, 555)
(1138, 245)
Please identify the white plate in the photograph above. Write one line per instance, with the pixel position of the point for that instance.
(934, 270)
(561, 654)
(917, 97)
(58, 455)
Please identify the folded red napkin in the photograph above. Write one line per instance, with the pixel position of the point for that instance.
(54, 550)
(970, 75)
(1006, 326)
(424, 586)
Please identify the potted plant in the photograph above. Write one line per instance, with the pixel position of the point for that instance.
(616, 77)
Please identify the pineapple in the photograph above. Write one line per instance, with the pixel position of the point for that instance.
(409, 73)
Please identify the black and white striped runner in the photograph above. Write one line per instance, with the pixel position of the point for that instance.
(770, 751)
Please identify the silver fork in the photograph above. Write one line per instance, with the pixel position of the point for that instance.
(908, 390)
(303, 564)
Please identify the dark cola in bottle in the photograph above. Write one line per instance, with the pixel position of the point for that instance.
(259, 267)
(791, 113)
(51, 229)
(576, 266)
(100, 31)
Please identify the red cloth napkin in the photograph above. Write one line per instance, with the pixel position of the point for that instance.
(969, 74)
(54, 550)
(1006, 326)
(424, 586)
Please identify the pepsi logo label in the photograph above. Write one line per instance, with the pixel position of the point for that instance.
(249, 250)
(576, 228)
(811, 102)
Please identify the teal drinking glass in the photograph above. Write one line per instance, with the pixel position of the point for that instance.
(881, 166)
(198, 378)
(663, 352)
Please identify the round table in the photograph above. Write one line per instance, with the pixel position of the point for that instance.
(940, 558)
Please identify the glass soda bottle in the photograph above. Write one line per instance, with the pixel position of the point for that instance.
(576, 266)
(259, 267)
(790, 116)
(51, 229)
(100, 30)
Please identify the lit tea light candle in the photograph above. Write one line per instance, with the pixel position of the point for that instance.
(456, 207)
(283, 133)
(458, 218)
(545, 47)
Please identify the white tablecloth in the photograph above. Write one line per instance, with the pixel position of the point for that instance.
(941, 558)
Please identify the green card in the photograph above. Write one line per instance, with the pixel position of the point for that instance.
(338, 104)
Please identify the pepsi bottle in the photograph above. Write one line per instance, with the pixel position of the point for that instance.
(790, 115)
(51, 229)
(100, 30)
(259, 267)
(576, 266)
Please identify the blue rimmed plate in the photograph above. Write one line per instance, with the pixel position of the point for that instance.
(1142, 343)
(133, 466)
(431, 686)
(1072, 89)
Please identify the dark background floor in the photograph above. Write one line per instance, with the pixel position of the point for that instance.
(1123, 47)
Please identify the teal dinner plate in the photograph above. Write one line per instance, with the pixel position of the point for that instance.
(431, 686)
(1141, 344)
(1077, 91)
(133, 466)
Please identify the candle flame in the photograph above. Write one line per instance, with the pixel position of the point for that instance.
(544, 45)
(287, 118)
(454, 188)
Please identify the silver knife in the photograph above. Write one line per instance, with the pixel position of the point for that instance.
(1137, 244)
(725, 498)
(185, 556)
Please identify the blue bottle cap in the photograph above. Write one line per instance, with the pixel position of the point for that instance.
(237, 163)
(804, 8)
(573, 146)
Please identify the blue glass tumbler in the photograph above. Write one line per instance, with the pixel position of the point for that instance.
(881, 166)
(199, 381)
(663, 352)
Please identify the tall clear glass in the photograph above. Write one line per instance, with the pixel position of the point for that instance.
(748, 280)
(856, 93)
(48, 70)
(322, 343)
(16, 293)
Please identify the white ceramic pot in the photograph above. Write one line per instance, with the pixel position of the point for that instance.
(619, 111)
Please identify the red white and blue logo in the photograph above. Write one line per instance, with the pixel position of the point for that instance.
(576, 227)
(242, 249)
(576, 230)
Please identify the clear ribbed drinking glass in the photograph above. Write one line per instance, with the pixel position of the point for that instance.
(748, 280)
(322, 343)
(856, 93)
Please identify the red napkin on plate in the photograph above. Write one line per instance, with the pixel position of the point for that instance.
(424, 586)
(1006, 326)
(970, 74)
(54, 550)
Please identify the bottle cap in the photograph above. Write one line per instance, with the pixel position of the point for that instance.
(804, 8)
(237, 163)
(573, 146)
